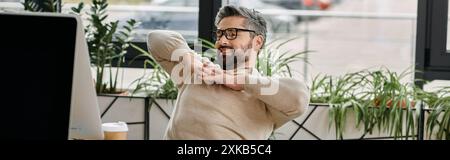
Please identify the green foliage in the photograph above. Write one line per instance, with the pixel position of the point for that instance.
(438, 121)
(339, 93)
(378, 98)
(389, 103)
(272, 62)
(42, 5)
(107, 44)
(157, 84)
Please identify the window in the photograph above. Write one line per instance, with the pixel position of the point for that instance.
(178, 15)
(432, 55)
(10, 5)
(448, 33)
(345, 35)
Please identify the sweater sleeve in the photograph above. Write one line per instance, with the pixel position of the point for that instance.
(167, 47)
(286, 98)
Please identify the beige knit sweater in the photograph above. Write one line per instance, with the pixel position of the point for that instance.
(216, 112)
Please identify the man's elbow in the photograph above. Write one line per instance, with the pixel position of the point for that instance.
(164, 43)
(301, 103)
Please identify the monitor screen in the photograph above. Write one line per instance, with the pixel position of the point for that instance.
(37, 67)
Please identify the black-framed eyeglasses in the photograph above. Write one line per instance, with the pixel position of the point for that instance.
(230, 33)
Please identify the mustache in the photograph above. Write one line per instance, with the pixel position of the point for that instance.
(220, 46)
(222, 50)
(225, 47)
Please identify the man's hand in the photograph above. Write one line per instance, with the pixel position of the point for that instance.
(232, 79)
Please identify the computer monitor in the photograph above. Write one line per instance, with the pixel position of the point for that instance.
(46, 78)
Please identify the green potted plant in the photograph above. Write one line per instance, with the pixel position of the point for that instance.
(338, 95)
(389, 103)
(377, 98)
(438, 121)
(107, 44)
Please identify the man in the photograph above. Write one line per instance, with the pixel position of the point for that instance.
(220, 109)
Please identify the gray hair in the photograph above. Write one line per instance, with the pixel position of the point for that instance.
(255, 21)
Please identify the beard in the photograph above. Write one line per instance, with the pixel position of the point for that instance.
(233, 58)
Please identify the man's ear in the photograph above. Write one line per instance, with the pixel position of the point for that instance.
(258, 42)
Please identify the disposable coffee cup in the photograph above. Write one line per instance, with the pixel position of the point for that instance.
(115, 131)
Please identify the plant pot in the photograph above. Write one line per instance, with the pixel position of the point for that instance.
(308, 3)
(402, 104)
(324, 4)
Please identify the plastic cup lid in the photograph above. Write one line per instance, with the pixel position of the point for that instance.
(115, 127)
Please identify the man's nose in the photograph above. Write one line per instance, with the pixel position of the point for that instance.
(223, 40)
